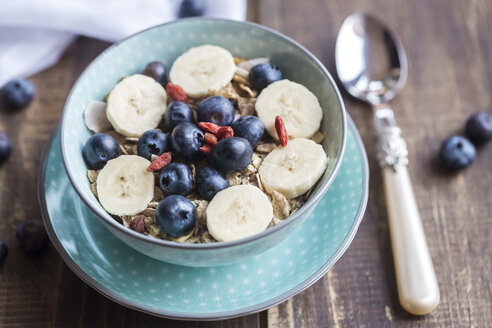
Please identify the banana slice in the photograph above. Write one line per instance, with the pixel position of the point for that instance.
(124, 187)
(135, 105)
(95, 117)
(294, 169)
(238, 212)
(298, 107)
(248, 64)
(201, 69)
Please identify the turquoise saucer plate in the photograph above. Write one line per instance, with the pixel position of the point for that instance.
(203, 293)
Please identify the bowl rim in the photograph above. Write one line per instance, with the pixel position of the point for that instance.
(313, 200)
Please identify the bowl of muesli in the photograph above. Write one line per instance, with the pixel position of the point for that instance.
(203, 141)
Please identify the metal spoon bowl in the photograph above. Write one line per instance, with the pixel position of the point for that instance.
(371, 62)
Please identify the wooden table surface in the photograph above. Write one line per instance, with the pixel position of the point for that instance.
(449, 49)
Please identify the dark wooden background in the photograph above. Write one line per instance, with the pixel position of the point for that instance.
(449, 48)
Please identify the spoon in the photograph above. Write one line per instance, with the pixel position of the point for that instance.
(372, 66)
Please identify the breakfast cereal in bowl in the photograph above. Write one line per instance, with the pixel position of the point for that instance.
(215, 149)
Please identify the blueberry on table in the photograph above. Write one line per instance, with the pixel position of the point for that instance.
(18, 93)
(157, 71)
(232, 154)
(191, 8)
(176, 215)
(186, 140)
(5, 147)
(479, 127)
(176, 179)
(457, 152)
(32, 236)
(153, 142)
(99, 149)
(261, 75)
(177, 112)
(216, 109)
(250, 128)
(4, 251)
(209, 181)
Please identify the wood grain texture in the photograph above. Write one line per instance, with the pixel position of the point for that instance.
(449, 48)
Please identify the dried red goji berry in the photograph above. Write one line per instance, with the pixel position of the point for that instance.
(209, 127)
(206, 149)
(210, 138)
(176, 92)
(281, 131)
(224, 132)
(160, 162)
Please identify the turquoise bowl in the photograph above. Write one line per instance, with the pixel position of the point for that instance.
(165, 43)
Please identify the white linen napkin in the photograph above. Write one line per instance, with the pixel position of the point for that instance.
(34, 34)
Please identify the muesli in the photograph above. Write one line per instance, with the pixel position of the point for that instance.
(224, 150)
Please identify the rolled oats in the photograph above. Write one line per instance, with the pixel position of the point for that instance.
(281, 206)
(240, 79)
(318, 137)
(123, 150)
(234, 178)
(94, 189)
(120, 139)
(256, 160)
(92, 175)
(149, 211)
(245, 87)
(243, 97)
(126, 219)
(246, 106)
(265, 148)
(153, 204)
(238, 60)
(158, 196)
(154, 230)
(182, 239)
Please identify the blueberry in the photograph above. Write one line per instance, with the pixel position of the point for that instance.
(32, 236)
(249, 128)
(4, 251)
(232, 154)
(191, 8)
(157, 71)
(186, 141)
(177, 112)
(176, 179)
(176, 215)
(18, 93)
(479, 127)
(216, 109)
(153, 142)
(261, 75)
(209, 181)
(457, 152)
(99, 149)
(5, 147)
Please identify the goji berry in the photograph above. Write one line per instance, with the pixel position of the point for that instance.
(160, 162)
(206, 149)
(281, 131)
(210, 138)
(224, 132)
(176, 92)
(209, 127)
